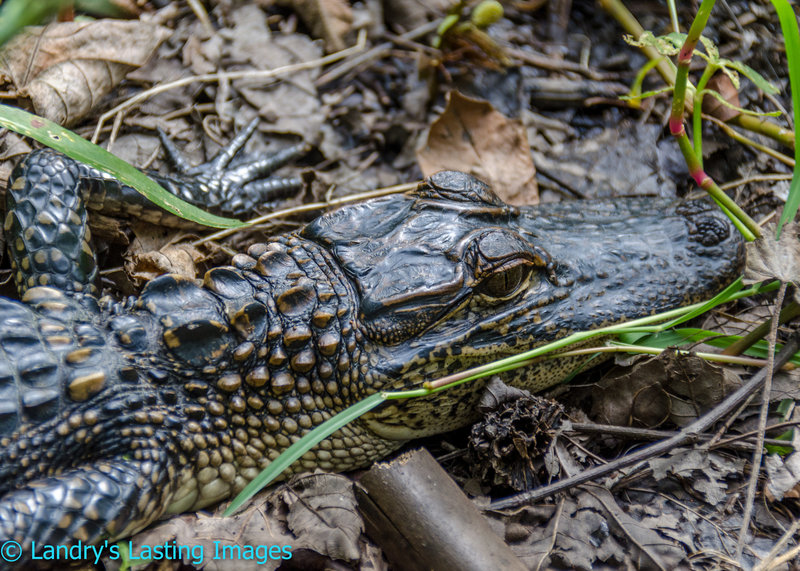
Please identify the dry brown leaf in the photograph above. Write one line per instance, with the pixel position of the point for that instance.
(769, 259)
(64, 69)
(330, 20)
(169, 260)
(723, 85)
(311, 519)
(323, 515)
(287, 107)
(678, 388)
(708, 472)
(411, 14)
(472, 136)
(153, 253)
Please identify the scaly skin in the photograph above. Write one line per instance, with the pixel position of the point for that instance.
(112, 417)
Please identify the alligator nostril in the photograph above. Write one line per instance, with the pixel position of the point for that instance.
(710, 230)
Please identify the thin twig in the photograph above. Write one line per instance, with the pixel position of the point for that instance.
(308, 208)
(689, 434)
(201, 14)
(228, 75)
(740, 441)
(378, 52)
(543, 61)
(552, 541)
(773, 560)
(756, 178)
(755, 470)
(643, 350)
(736, 136)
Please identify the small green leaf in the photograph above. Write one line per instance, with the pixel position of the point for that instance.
(711, 50)
(447, 23)
(758, 80)
(676, 39)
(718, 96)
(782, 450)
(57, 137)
(733, 75)
(646, 94)
(662, 44)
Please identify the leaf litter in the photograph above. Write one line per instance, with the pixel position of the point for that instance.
(386, 121)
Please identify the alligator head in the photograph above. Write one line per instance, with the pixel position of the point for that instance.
(448, 276)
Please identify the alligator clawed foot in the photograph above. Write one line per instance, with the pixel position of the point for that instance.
(234, 184)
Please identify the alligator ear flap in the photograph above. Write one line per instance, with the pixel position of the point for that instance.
(458, 186)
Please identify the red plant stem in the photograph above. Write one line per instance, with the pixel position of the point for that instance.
(678, 131)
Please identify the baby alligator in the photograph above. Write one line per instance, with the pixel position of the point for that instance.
(113, 415)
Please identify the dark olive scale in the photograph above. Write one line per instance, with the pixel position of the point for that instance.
(112, 417)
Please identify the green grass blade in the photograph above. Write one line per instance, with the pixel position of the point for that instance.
(791, 37)
(16, 14)
(688, 335)
(306, 443)
(721, 297)
(759, 80)
(72, 145)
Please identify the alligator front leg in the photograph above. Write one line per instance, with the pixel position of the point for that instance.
(83, 506)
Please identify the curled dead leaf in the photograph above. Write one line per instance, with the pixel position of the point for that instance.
(64, 69)
(323, 514)
(769, 259)
(670, 387)
(311, 520)
(723, 85)
(330, 20)
(150, 256)
(472, 136)
(783, 476)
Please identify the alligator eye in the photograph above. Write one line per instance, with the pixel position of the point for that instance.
(505, 282)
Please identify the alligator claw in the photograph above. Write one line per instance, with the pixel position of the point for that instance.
(239, 187)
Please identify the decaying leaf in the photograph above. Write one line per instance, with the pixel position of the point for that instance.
(707, 472)
(590, 530)
(508, 445)
(153, 253)
(783, 472)
(630, 160)
(472, 136)
(313, 517)
(212, 543)
(670, 387)
(169, 260)
(783, 476)
(723, 85)
(498, 393)
(328, 19)
(323, 515)
(64, 69)
(411, 14)
(770, 259)
(286, 107)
